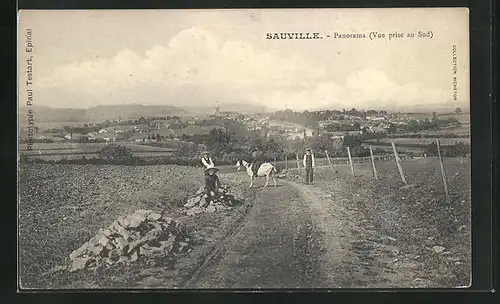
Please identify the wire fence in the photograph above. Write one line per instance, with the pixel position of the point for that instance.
(397, 157)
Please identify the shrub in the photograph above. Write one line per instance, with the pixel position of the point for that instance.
(115, 154)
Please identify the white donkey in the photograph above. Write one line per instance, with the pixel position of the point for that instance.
(266, 169)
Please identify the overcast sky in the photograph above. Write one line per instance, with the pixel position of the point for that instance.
(87, 58)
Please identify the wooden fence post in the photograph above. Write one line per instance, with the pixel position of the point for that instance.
(350, 160)
(373, 163)
(329, 161)
(298, 163)
(400, 169)
(443, 173)
(286, 162)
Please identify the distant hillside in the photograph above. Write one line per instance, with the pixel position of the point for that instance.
(48, 114)
(243, 107)
(99, 113)
(393, 107)
(131, 111)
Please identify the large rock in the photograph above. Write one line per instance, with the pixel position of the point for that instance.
(104, 241)
(79, 263)
(210, 209)
(123, 221)
(135, 220)
(168, 245)
(147, 251)
(143, 212)
(97, 249)
(167, 220)
(151, 235)
(183, 246)
(156, 225)
(116, 226)
(153, 216)
(123, 232)
(110, 246)
(123, 259)
(191, 202)
(134, 256)
(80, 251)
(106, 232)
(220, 208)
(166, 226)
(121, 242)
(438, 249)
(203, 202)
(115, 253)
(200, 190)
(94, 241)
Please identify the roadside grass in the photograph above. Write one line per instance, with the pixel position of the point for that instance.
(62, 206)
(417, 216)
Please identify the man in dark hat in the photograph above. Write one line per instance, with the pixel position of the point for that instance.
(212, 182)
(309, 165)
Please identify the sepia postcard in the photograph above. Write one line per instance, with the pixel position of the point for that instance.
(244, 149)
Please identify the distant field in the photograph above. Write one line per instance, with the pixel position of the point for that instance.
(464, 128)
(463, 118)
(56, 151)
(89, 147)
(56, 157)
(53, 124)
(420, 141)
(190, 130)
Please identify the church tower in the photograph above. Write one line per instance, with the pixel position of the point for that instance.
(217, 109)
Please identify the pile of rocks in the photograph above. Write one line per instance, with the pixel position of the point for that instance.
(282, 174)
(210, 202)
(143, 233)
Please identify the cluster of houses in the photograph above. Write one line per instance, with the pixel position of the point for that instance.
(273, 128)
(293, 131)
(346, 125)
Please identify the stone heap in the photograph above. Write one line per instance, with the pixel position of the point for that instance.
(282, 174)
(203, 202)
(143, 233)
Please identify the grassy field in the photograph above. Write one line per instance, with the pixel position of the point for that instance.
(53, 124)
(417, 217)
(464, 128)
(420, 141)
(56, 151)
(462, 118)
(62, 206)
(88, 147)
(189, 130)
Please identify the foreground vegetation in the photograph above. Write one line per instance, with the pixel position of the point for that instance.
(62, 206)
(416, 218)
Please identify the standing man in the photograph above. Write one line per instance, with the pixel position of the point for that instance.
(309, 165)
(207, 162)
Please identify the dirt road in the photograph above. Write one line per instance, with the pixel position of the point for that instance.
(299, 236)
(272, 249)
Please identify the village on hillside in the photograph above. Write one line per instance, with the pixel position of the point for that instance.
(279, 133)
